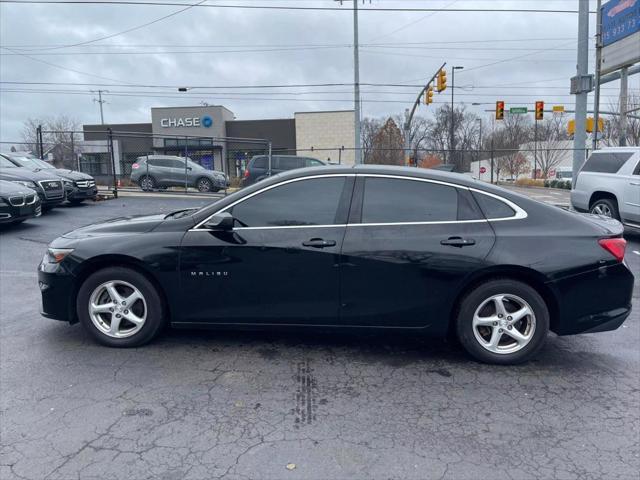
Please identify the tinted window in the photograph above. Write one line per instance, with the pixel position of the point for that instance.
(6, 163)
(176, 164)
(260, 162)
(312, 162)
(306, 202)
(606, 162)
(492, 207)
(288, 163)
(637, 169)
(159, 162)
(389, 200)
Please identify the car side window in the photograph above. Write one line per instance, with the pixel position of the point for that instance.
(304, 202)
(492, 207)
(636, 171)
(260, 162)
(312, 162)
(158, 162)
(388, 200)
(289, 163)
(606, 162)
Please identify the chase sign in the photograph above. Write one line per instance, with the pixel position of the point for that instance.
(187, 122)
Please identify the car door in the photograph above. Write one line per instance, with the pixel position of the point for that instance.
(280, 263)
(408, 246)
(631, 212)
(160, 169)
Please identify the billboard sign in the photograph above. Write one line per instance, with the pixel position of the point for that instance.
(620, 34)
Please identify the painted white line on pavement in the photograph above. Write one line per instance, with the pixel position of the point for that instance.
(636, 252)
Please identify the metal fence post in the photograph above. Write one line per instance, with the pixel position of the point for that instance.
(39, 141)
(186, 154)
(269, 158)
(491, 160)
(113, 163)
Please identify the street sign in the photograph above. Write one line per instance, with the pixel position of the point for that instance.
(483, 169)
(558, 108)
(518, 110)
(620, 34)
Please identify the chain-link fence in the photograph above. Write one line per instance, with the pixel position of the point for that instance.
(149, 162)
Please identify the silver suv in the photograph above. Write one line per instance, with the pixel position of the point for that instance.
(609, 184)
(161, 171)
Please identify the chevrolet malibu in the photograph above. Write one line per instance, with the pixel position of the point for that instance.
(364, 247)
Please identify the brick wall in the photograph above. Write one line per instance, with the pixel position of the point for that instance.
(322, 130)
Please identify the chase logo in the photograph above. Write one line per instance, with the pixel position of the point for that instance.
(206, 121)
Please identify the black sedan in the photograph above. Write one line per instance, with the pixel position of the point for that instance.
(363, 247)
(18, 203)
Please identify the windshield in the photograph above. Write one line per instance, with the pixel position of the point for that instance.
(194, 165)
(42, 163)
(5, 163)
(26, 162)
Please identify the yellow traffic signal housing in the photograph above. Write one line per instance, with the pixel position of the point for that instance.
(428, 96)
(500, 110)
(590, 128)
(442, 80)
(571, 127)
(539, 110)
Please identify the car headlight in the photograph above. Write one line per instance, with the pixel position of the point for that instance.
(67, 183)
(26, 183)
(3, 202)
(56, 255)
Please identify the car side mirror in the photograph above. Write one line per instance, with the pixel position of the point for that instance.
(220, 221)
(189, 168)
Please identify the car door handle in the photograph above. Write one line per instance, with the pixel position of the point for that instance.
(458, 242)
(637, 184)
(319, 243)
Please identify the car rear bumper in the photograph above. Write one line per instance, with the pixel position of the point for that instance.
(594, 301)
(580, 200)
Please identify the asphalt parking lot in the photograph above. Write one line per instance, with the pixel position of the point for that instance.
(320, 405)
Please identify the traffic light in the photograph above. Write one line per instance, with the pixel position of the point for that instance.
(442, 80)
(571, 127)
(428, 96)
(500, 110)
(539, 110)
(590, 128)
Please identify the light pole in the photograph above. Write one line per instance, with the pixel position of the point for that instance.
(356, 84)
(479, 120)
(452, 142)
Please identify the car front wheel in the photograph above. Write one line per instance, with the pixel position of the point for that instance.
(503, 322)
(204, 185)
(120, 307)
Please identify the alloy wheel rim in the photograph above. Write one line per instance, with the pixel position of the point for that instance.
(504, 324)
(117, 309)
(602, 209)
(147, 184)
(203, 185)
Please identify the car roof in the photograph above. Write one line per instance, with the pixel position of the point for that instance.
(617, 149)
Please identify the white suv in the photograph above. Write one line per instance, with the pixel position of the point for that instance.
(609, 184)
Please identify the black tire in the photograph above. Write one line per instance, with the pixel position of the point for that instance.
(475, 298)
(605, 205)
(204, 185)
(147, 183)
(155, 314)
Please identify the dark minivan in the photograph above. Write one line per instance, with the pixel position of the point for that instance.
(258, 167)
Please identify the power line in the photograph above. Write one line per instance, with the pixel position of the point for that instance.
(283, 7)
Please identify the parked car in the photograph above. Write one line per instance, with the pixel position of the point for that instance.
(364, 247)
(609, 184)
(564, 173)
(258, 167)
(18, 203)
(158, 171)
(78, 186)
(49, 187)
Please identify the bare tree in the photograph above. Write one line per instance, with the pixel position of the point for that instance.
(552, 133)
(59, 138)
(507, 138)
(388, 148)
(611, 134)
(369, 129)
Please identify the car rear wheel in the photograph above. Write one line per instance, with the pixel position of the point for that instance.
(147, 183)
(120, 307)
(502, 322)
(204, 185)
(605, 207)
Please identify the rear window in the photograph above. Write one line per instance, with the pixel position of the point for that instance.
(492, 207)
(288, 163)
(606, 162)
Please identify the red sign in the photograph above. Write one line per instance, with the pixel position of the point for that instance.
(483, 169)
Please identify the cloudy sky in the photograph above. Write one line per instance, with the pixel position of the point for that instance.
(70, 51)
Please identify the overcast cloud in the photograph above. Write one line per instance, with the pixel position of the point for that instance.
(487, 38)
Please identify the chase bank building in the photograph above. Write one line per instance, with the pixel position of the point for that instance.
(212, 136)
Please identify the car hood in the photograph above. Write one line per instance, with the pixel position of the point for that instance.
(10, 188)
(24, 174)
(69, 174)
(118, 226)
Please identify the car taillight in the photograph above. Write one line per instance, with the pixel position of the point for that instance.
(135, 166)
(615, 246)
(246, 173)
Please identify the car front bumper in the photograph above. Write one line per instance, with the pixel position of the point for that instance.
(77, 193)
(594, 301)
(56, 289)
(10, 214)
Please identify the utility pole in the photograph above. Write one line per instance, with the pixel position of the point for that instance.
(100, 101)
(596, 97)
(624, 89)
(581, 85)
(452, 142)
